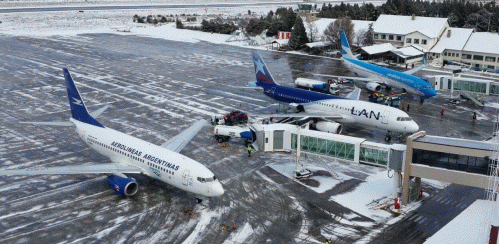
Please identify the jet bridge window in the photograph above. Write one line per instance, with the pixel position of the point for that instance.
(203, 180)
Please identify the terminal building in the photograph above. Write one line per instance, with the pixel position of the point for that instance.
(457, 161)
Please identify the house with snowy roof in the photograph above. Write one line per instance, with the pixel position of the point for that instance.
(404, 31)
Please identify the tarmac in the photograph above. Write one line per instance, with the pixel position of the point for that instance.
(157, 88)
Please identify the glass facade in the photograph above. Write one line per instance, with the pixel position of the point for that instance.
(373, 156)
(494, 89)
(470, 86)
(451, 161)
(340, 150)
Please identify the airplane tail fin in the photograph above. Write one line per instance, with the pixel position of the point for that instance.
(263, 76)
(78, 110)
(345, 47)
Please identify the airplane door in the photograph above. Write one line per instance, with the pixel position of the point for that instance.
(185, 177)
(384, 118)
(272, 91)
(278, 139)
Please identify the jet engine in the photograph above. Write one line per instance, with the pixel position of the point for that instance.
(330, 127)
(126, 186)
(373, 86)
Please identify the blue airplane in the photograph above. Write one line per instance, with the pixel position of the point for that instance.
(375, 76)
(330, 110)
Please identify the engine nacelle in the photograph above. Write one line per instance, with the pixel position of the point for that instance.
(373, 86)
(330, 127)
(125, 186)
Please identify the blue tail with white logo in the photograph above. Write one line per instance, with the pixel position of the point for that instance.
(78, 110)
(345, 47)
(263, 76)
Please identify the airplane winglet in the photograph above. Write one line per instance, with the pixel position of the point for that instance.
(354, 95)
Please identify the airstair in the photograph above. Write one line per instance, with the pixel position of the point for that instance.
(470, 97)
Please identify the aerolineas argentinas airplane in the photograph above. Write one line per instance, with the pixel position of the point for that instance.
(375, 76)
(332, 110)
(131, 155)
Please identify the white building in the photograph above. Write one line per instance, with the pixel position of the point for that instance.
(480, 50)
(451, 43)
(403, 31)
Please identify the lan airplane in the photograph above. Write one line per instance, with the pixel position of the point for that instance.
(333, 110)
(130, 155)
(377, 76)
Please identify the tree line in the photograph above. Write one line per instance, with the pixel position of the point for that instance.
(460, 13)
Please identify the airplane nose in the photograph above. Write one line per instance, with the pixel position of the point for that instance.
(430, 93)
(217, 189)
(413, 127)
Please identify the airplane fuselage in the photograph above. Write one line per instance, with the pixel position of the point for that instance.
(158, 163)
(352, 111)
(391, 78)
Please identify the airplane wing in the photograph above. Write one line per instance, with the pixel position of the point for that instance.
(301, 115)
(346, 77)
(412, 71)
(109, 168)
(354, 95)
(178, 142)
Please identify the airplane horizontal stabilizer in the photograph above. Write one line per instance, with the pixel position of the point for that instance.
(98, 112)
(53, 123)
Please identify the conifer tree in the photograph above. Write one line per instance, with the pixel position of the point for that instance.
(298, 35)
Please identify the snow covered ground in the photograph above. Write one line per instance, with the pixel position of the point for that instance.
(377, 185)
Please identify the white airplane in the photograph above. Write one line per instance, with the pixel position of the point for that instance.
(376, 76)
(332, 110)
(130, 155)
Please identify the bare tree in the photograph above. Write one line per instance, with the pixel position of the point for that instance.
(361, 37)
(313, 31)
(332, 32)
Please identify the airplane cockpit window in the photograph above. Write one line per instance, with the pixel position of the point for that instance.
(404, 119)
(204, 180)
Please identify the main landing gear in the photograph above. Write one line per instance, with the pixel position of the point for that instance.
(388, 137)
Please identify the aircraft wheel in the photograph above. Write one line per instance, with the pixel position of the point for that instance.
(220, 139)
(199, 200)
(388, 137)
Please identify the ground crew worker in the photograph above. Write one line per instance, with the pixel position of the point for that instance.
(408, 107)
(474, 117)
(249, 150)
(441, 111)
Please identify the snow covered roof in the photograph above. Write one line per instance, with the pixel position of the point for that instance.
(467, 227)
(452, 39)
(407, 52)
(380, 48)
(322, 24)
(483, 42)
(281, 41)
(316, 44)
(403, 25)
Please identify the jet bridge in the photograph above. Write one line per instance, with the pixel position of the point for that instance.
(284, 137)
